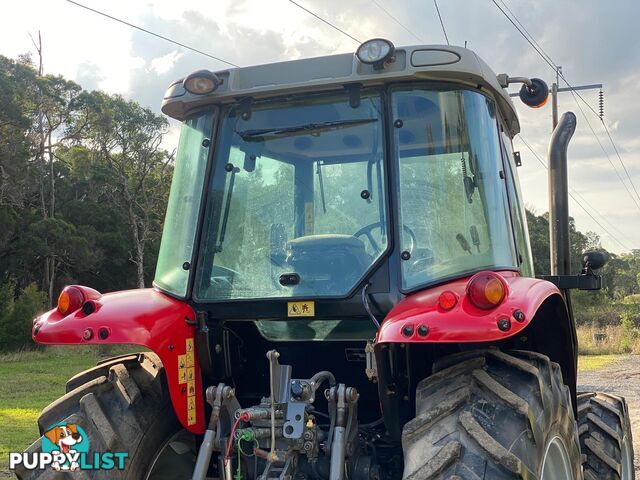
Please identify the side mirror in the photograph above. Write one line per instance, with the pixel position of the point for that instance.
(593, 260)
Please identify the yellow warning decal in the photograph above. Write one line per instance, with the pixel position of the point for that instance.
(182, 369)
(301, 309)
(187, 374)
(190, 359)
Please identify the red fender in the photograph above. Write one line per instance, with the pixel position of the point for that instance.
(144, 317)
(464, 323)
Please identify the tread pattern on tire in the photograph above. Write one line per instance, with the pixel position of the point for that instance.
(116, 403)
(604, 425)
(487, 414)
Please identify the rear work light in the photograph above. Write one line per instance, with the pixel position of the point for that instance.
(375, 52)
(70, 300)
(486, 290)
(201, 82)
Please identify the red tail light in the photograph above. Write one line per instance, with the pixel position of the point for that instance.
(70, 300)
(486, 290)
(447, 300)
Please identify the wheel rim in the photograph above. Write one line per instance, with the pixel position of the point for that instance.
(627, 460)
(556, 464)
(175, 459)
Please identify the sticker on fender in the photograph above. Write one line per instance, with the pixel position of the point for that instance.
(301, 309)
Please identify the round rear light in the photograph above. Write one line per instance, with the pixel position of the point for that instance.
(70, 300)
(447, 300)
(486, 290)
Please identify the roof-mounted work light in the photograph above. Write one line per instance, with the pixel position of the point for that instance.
(201, 82)
(375, 52)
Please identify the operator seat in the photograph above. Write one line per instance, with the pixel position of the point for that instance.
(331, 263)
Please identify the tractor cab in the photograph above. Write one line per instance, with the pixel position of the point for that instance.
(318, 194)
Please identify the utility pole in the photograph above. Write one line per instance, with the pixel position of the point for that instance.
(555, 89)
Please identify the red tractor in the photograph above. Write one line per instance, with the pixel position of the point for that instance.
(359, 219)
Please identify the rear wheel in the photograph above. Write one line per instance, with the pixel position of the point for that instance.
(123, 405)
(491, 415)
(605, 437)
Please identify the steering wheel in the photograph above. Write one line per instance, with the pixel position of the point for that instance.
(224, 277)
(368, 229)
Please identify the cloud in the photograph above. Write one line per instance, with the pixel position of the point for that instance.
(89, 76)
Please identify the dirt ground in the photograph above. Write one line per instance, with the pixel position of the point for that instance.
(620, 378)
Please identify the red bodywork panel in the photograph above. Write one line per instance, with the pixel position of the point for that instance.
(143, 317)
(464, 323)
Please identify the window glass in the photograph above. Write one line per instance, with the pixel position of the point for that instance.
(518, 212)
(453, 207)
(297, 206)
(316, 330)
(181, 220)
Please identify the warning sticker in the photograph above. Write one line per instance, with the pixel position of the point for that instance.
(182, 361)
(190, 359)
(191, 417)
(191, 403)
(308, 218)
(191, 374)
(301, 309)
(191, 386)
(182, 375)
(189, 343)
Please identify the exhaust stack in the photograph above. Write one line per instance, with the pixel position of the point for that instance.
(559, 195)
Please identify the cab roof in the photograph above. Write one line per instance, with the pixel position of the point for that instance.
(423, 62)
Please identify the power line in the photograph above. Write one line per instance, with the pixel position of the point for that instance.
(619, 157)
(398, 22)
(151, 33)
(525, 29)
(584, 115)
(325, 21)
(536, 46)
(604, 219)
(571, 194)
(444, 30)
(549, 62)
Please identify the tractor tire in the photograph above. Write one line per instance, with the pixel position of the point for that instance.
(123, 405)
(486, 414)
(605, 437)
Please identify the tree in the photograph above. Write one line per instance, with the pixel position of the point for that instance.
(127, 138)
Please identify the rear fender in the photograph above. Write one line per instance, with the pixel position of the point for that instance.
(404, 355)
(464, 323)
(143, 317)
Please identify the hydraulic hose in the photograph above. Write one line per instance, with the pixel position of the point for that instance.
(322, 376)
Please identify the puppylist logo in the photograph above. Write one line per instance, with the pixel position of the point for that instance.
(65, 447)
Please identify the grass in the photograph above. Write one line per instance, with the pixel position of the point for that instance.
(29, 381)
(589, 363)
(617, 340)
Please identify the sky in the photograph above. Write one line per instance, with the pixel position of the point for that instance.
(592, 40)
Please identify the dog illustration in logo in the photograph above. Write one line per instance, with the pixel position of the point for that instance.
(64, 437)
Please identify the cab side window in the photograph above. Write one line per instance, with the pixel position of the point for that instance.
(518, 213)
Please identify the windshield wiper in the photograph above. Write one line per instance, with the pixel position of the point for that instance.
(269, 133)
